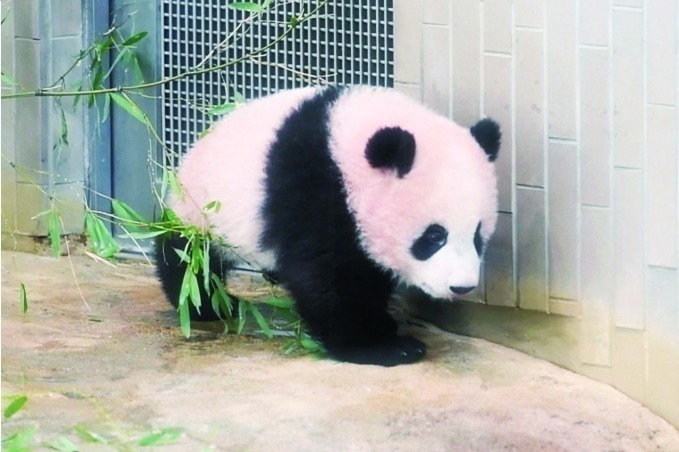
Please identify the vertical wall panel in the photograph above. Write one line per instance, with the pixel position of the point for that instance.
(408, 41)
(529, 13)
(630, 276)
(563, 221)
(594, 22)
(436, 80)
(628, 88)
(598, 279)
(497, 104)
(466, 87)
(531, 249)
(662, 392)
(497, 26)
(561, 65)
(595, 130)
(661, 48)
(435, 11)
(661, 184)
(530, 108)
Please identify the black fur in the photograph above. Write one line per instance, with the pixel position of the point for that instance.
(392, 148)
(340, 293)
(170, 270)
(487, 134)
(432, 239)
(478, 240)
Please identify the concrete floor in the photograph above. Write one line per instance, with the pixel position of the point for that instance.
(114, 364)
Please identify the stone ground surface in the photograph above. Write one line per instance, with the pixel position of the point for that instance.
(119, 368)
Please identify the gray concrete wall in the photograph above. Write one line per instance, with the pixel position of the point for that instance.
(40, 39)
(586, 93)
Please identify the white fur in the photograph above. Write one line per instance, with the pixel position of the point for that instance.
(228, 165)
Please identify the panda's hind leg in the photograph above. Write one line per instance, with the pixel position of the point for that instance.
(170, 270)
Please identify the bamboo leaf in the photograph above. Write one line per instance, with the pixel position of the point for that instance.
(206, 266)
(143, 235)
(261, 321)
(97, 78)
(136, 68)
(130, 217)
(89, 435)
(278, 302)
(23, 300)
(184, 319)
(222, 109)
(183, 255)
(135, 39)
(62, 444)
(213, 205)
(19, 442)
(246, 6)
(161, 437)
(129, 106)
(16, 405)
(194, 291)
(223, 296)
(186, 287)
(101, 240)
(107, 108)
(8, 80)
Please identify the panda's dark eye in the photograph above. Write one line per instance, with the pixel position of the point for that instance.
(478, 240)
(431, 240)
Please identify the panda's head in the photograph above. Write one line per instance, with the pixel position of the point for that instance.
(424, 196)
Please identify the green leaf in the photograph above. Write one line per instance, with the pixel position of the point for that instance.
(206, 266)
(261, 321)
(101, 240)
(97, 78)
(135, 39)
(14, 406)
(23, 300)
(62, 444)
(194, 293)
(309, 344)
(136, 68)
(19, 442)
(279, 302)
(7, 80)
(106, 109)
(77, 87)
(184, 319)
(222, 109)
(54, 230)
(238, 97)
(246, 6)
(186, 286)
(224, 297)
(143, 235)
(89, 435)
(183, 255)
(130, 217)
(213, 205)
(129, 106)
(164, 436)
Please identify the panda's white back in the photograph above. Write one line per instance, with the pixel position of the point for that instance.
(228, 165)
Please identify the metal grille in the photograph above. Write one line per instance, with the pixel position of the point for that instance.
(343, 44)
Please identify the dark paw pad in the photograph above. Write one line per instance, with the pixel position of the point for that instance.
(391, 352)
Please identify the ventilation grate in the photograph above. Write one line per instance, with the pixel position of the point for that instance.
(345, 44)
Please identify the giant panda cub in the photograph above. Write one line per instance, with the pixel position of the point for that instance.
(342, 193)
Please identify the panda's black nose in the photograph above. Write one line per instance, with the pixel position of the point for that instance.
(461, 290)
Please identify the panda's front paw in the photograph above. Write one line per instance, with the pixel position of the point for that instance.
(391, 352)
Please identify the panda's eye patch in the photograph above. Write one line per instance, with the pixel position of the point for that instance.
(432, 240)
(478, 240)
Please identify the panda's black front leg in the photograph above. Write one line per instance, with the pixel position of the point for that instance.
(345, 306)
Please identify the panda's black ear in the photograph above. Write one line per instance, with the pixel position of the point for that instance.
(487, 134)
(391, 148)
